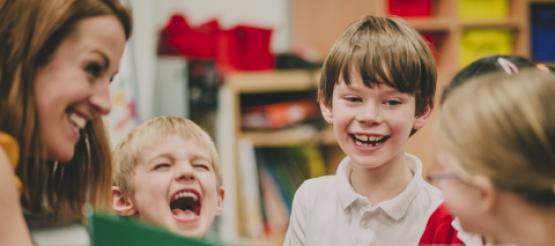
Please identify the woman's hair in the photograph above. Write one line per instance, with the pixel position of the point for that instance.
(31, 31)
(154, 131)
(486, 65)
(503, 126)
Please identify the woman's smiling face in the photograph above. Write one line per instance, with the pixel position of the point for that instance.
(71, 89)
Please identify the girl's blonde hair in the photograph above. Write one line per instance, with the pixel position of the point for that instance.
(30, 33)
(503, 126)
(152, 132)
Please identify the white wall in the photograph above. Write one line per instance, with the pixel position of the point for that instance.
(151, 15)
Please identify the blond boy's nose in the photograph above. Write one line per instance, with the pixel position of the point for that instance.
(185, 172)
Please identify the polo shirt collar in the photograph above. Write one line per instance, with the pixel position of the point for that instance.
(396, 207)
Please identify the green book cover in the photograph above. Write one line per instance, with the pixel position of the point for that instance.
(108, 230)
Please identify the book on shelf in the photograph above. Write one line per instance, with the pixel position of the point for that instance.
(253, 223)
(282, 171)
(279, 115)
(276, 213)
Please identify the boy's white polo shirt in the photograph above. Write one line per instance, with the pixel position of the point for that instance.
(327, 211)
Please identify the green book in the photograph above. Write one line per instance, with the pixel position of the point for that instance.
(106, 230)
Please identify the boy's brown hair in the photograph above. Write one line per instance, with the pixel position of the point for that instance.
(383, 50)
(125, 156)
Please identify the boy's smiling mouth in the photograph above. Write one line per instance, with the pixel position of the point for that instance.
(186, 205)
(365, 140)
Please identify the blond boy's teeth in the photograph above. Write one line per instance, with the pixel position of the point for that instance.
(186, 194)
(77, 120)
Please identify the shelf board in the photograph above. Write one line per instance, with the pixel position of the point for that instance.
(426, 24)
(295, 136)
(508, 24)
(272, 81)
(542, 1)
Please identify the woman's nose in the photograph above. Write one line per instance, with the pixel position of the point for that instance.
(100, 98)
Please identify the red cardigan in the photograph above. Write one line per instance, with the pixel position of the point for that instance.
(439, 229)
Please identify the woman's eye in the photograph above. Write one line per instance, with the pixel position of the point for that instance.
(94, 70)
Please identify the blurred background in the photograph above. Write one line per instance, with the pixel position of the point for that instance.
(247, 70)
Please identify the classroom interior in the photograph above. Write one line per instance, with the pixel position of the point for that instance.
(247, 72)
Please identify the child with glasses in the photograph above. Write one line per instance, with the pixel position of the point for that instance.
(498, 155)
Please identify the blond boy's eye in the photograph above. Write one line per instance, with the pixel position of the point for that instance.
(161, 166)
(202, 166)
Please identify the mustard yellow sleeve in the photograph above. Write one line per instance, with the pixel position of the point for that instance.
(9, 145)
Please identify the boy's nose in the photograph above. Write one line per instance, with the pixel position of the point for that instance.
(370, 113)
(185, 172)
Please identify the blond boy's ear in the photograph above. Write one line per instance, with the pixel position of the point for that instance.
(122, 203)
(221, 195)
(325, 108)
(421, 119)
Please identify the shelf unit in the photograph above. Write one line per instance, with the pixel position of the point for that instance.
(230, 132)
(316, 24)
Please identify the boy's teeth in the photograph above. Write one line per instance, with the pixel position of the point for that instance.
(77, 120)
(187, 194)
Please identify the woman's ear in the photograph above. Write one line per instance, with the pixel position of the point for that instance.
(487, 192)
(122, 203)
(325, 108)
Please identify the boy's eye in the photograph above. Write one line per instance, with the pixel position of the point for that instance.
(352, 98)
(94, 70)
(392, 102)
(161, 166)
(201, 166)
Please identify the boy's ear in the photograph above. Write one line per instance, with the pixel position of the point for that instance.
(221, 195)
(325, 108)
(488, 193)
(122, 203)
(421, 119)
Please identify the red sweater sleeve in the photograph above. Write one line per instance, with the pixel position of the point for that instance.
(439, 229)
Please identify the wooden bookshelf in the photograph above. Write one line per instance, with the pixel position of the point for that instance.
(230, 130)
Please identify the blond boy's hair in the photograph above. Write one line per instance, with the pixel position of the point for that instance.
(383, 50)
(125, 156)
(503, 126)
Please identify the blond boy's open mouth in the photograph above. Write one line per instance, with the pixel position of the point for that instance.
(186, 205)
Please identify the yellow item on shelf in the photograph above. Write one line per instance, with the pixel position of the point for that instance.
(477, 43)
(9, 145)
(472, 10)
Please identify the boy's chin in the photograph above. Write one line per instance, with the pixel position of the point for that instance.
(197, 232)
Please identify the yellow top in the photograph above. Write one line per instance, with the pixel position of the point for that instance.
(9, 145)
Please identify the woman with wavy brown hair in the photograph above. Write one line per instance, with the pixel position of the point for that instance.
(57, 59)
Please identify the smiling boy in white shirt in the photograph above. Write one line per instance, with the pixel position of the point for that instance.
(376, 89)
